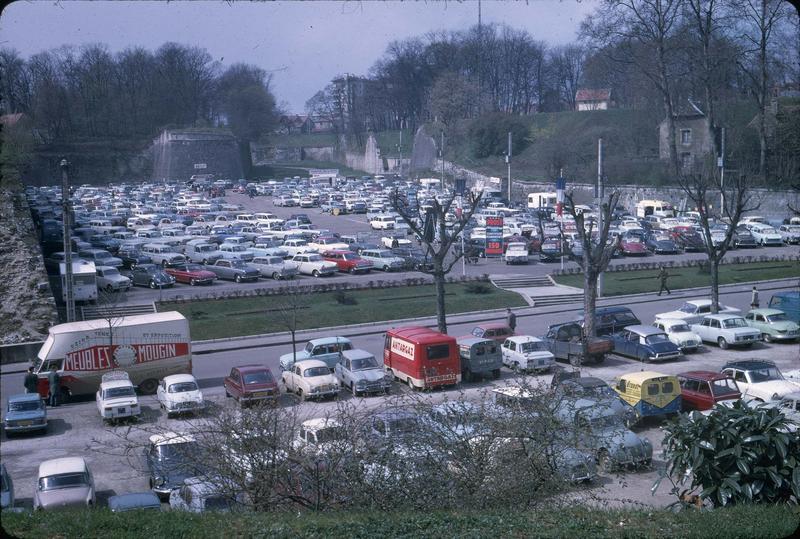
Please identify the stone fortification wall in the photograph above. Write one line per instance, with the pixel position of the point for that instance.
(180, 154)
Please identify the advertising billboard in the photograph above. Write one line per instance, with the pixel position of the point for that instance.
(494, 236)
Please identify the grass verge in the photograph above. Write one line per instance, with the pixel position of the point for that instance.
(635, 282)
(763, 521)
(215, 319)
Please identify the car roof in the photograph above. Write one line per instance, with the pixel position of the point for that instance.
(766, 312)
(585, 381)
(251, 368)
(643, 376)
(62, 465)
(116, 383)
(171, 438)
(357, 353)
(669, 322)
(723, 316)
(644, 330)
(514, 391)
(492, 325)
(310, 363)
(704, 375)
(747, 364)
(319, 423)
(25, 397)
(177, 378)
(420, 335)
(469, 341)
(133, 500)
(329, 340)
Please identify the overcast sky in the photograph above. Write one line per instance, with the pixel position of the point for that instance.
(303, 44)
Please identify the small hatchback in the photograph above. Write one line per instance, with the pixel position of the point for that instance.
(498, 332)
(25, 413)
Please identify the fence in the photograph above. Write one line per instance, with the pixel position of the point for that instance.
(700, 262)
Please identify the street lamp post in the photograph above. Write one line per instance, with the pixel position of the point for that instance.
(69, 296)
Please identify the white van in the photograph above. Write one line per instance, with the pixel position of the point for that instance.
(659, 208)
(540, 200)
(84, 280)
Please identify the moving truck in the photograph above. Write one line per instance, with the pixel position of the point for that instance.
(421, 357)
(148, 347)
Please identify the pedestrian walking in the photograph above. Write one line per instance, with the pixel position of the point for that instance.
(511, 320)
(31, 382)
(663, 275)
(54, 380)
(754, 298)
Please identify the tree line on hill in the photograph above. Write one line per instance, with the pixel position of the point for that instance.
(649, 54)
(72, 93)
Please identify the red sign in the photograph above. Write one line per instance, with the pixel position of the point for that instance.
(494, 236)
(99, 358)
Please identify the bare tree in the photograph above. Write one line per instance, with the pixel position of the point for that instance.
(596, 256)
(431, 229)
(701, 189)
(107, 308)
(288, 308)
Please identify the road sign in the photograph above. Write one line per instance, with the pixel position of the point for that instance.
(494, 236)
(200, 166)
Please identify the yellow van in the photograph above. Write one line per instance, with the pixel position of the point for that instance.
(650, 393)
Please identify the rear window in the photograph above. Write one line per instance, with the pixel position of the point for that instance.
(667, 387)
(652, 389)
(438, 351)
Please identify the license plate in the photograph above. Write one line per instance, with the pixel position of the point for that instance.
(121, 410)
(25, 423)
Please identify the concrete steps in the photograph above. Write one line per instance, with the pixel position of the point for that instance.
(560, 299)
(93, 312)
(521, 281)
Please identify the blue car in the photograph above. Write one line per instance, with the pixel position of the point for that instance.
(134, 502)
(25, 413)
(645, 343)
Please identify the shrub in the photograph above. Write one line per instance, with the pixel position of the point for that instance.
(478, 288)
(343, 298)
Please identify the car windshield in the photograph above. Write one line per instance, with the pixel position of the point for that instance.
(604, 422)
(765, 374)
(184, 450)
(330, 434)
(193, 267)
(688, 308)
(314, 258)
(680, 328)
(116, 392)
(791, 404)
(734, 323)
(655, 339)
(724, 387)
(350, 256)
(532, 346)
(599, 391)
(238, 264)
(404, 425)
(263, 377)
(28, 406)
(316, 371)
(101, 256)
(110, 272)
(182, 387)
(275, 261)
(364, 363)
(781, 317)
(64, 480)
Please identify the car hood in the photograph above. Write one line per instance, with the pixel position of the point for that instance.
(371, 375)
(22, 416)
(783, 326)
(202, 274)
(185, 396)
(123, 401)
(679, 315)
(770, 387)
(65, 497)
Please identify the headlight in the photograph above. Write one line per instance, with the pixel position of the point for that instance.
(775, 396)
(159, 480)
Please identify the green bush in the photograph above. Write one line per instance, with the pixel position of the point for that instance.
(741, 454)
(478, 288)
(343, 298)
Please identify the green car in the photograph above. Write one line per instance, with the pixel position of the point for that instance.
(773, 324)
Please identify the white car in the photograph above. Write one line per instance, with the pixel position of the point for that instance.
(790, 233)
(116, 398)
(391, 242)
(320, 435)
(234, 251)
(310, 378)
(765, 234)
(693, 311)
(295, 247)
(680, 334)
(110, 279)
(382, 222)
(179, 393)
(760, 379)
(162, 253)
(516, 253)
(526, 353)
(65, 482)
(360, 371)
(383, 259)
(726, 330)
(313, 264)
(327, 244)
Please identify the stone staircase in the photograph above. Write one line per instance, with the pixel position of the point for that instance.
(555, 299)
(540, 291)
(521, 281)
(90, 312)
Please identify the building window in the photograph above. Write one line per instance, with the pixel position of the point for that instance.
(686, 136)
(686, 161)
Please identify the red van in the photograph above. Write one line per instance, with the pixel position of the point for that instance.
(421, 357)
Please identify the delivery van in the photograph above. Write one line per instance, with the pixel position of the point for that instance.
(148, 347)
(421, 357)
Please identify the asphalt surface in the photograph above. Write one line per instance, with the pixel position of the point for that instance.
(76, 428)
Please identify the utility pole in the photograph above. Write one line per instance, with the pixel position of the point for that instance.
(69, 297)
(600, 192)
(560, 187)
(508, 162)
(441, 156)
(721, 165)
(400, 149)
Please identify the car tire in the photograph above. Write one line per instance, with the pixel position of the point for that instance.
(602, 460)
(109, 288)
(205, 262)
(149, 386)
(767, 337)
(315, 273)
(237, 278)
(153, 285)
(276, 276)
(192, 282)
(227, 394)
(352, 271)
(386, 268)
(722, 343)
(300, 393)
(496, 374)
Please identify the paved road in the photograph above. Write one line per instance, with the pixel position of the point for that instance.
(77, 430)
(357, 224)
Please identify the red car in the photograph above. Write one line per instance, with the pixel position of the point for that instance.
(192, 274)
(497, 331)
(348, 261)
(251, 383)
(632, 247)
(701, 390)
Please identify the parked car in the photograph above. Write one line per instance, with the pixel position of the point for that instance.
(382, 222)
(233, 270)
(327, 349)
(25, 413)
(526, 353)
(610, 320)
(773, 324)
(200, 495)
(680, 334)
(313, 264)
(789, 233)
(361, 372)
(726, 330)
(690, 242)
(6, 489)
(348, 261)
(172, 457)
(497, 331)
(571, 385)
(310, 378)
(275, 267)
(110, 279)
(565, 341)
(179, 393)
(649, 393)
(693, 311)
(414, 258)
(193, 274)
(516, 253)
(201, 252)
(132, 257)
(135, 501)
(250, 384)
(327, 243)
(645, 343)
(661, 245)
(150, 275)
(742, 238)
(702, 390)
(63, 483)
(100, 257)
(319, 436)
(383, 259)
(295, 247)
(163, 254)
(765, 235)
(551, 250)
(632, 246)
(787, 301)
(235, 251)
(760, 379)
(116, 397)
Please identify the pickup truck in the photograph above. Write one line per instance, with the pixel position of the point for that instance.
(233, 270)
(565, 341)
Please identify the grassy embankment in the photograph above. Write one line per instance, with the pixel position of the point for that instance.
(635, 282)
(216, 319)
(763, 521)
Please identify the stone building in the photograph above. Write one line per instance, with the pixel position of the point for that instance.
(179, 154)
(693, 137)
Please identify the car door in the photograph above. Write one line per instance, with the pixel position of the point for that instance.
(509, 350)
(702, 329)
(232, 383)
(161, 393)
(688, 393)
(621, 344)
